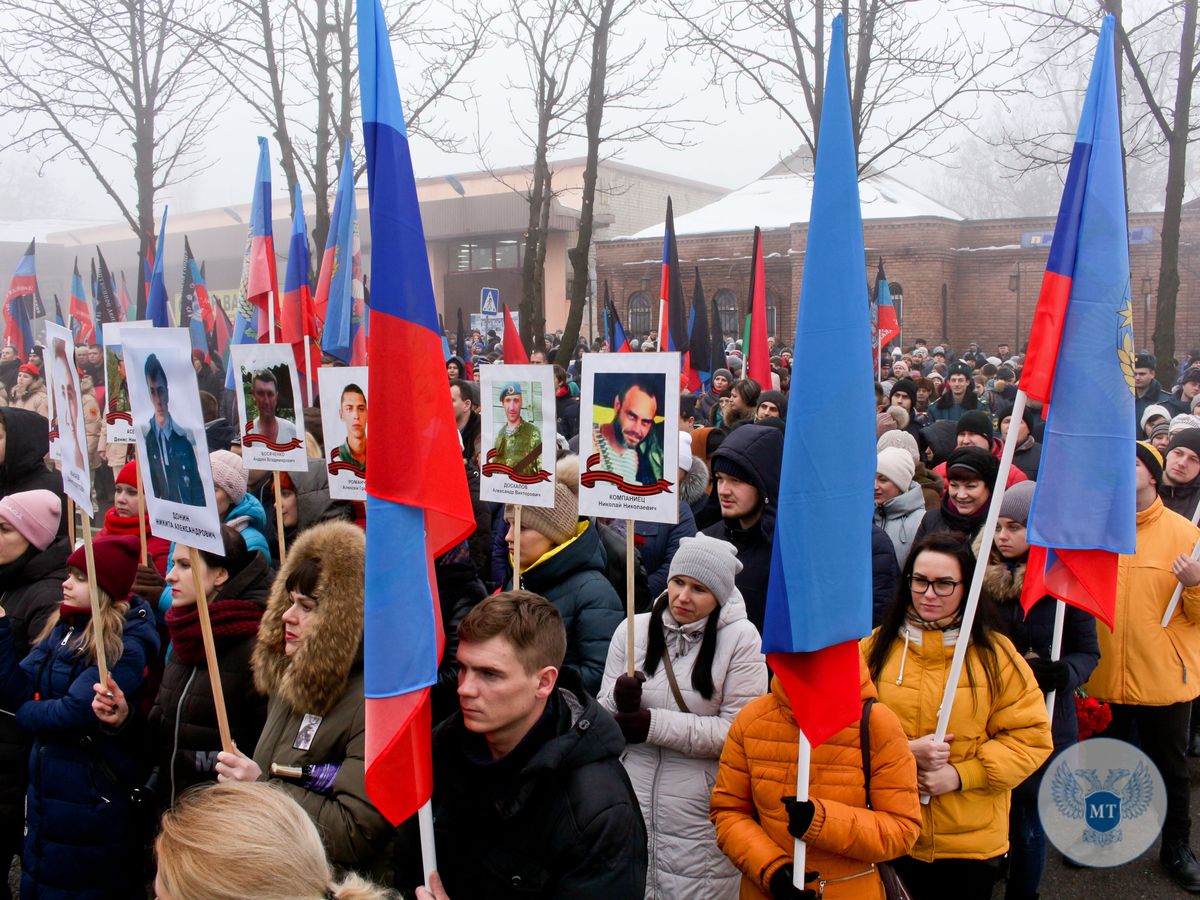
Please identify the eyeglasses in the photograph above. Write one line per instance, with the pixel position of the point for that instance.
(943, 587)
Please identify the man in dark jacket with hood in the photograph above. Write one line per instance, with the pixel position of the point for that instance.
(1147, 390)
(531, 799)
(746, 472)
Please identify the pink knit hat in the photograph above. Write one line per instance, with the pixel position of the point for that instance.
(34, 514)
(228, 474)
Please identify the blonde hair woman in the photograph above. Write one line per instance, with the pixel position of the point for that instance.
(247, 839)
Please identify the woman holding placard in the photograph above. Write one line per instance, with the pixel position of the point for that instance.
(308, 660)
(182, 726)
(998, 735)
(699, 662)
(78, 840)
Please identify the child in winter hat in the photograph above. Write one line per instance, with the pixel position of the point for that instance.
(34, 515)
(229, 474)
(710, 561)
(116, 560)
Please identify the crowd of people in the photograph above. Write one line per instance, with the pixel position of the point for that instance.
(557, 773)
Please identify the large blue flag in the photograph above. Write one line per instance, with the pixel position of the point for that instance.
(1081, 360)
(819, 594)
(157, 310)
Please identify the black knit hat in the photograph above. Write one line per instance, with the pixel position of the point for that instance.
(905, 386)
(975, 460)
(1189, 439)
(976, 422)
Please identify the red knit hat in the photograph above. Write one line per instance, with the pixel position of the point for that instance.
(30, 369)
(128, 474)
(116, 563)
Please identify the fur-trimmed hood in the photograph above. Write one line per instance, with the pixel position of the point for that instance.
(1002, 583)
(315, 678)
(695, 483)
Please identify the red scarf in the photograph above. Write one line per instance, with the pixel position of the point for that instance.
(121, 525)
(230, 619)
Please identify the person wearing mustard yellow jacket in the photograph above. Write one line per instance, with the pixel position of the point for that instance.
(1149, 674)
(755, 826)
(999, 733)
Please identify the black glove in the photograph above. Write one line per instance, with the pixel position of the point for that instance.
(800, 816)
(1051, 675)
(627, 692)
(783, 889)
(634, 725)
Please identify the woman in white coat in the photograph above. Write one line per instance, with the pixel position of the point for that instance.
(699, 662)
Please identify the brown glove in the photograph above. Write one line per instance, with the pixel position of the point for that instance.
(148, 583)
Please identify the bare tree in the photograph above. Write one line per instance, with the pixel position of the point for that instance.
(1156, 51)
(112, 85)
(294, 63)
(913, 77)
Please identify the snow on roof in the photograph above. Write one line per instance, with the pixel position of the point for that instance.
(778, 201)
(24, 230)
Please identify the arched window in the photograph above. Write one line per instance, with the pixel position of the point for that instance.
(727, 306)
(772, 312)
(640, 320)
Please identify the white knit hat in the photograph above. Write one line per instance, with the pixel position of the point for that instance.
(897, 466)
(710, 561)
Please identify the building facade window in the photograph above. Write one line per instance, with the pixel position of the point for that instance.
(726, 302)
(487, 253)
(772, 311)
(640, 320)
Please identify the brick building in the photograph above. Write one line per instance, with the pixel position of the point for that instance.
(958, 279)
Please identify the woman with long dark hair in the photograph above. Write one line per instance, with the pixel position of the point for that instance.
(998, 733)
(700, 661)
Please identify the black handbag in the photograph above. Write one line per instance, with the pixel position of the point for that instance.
(893, 886)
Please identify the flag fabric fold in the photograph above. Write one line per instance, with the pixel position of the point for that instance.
(299, 312)
(418, 504)
(156, 297)
(18, 331)
(1080, 362)
(195, 307)
(819, 592)
(758, 355)
(617, 341)
(108, 307)
(671, 331)
(889, 324)
(262, 283)
(462, 351)
(700, 366)
(514, 350)
(82, 328)
(339, 300)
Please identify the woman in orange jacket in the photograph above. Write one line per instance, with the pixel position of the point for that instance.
(757, 820)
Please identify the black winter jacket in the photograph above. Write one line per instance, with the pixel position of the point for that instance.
(885, 572)
(1181, 498)
(757, 450)
(555, 818)
(22, 466)
(459, 591)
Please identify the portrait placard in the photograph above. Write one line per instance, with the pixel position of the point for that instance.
(68, 406)
(118, 421)
(517, 434)
(628, 442)
(269, 407)
(168, 429)
(343, 392)
(55, 449)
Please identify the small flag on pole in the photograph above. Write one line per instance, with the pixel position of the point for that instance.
(299, 315)
(671, 332)
(18, 332)
(514, 350)
(156, 297)
(82, 329)
(758, 355)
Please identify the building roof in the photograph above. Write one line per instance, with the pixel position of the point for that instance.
(577, 161)
(782, 198)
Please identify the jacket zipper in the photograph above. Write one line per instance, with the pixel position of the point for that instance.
(175, 746)
(67, 636)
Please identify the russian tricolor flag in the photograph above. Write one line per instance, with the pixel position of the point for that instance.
(298, 312)
(339, 298)
(262, 283)
(417, 500)
(1080, 362)
(819, 593)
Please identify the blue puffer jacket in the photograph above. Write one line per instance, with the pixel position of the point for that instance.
(78, 841)
(248, 518)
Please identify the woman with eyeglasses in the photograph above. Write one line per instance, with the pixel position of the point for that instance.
(998, 735)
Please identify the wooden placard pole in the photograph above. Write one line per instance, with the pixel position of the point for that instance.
(630, 604)
(71, 522)
(141, 501)
(210, 649)
(94, 596)
(279, 517)
(517, 547)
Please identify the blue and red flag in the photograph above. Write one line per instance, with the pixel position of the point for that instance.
(758, 354)
(262, 282)
(82, 328)
(889, 324)
(1080, 363)
(221, 333)
(18, 332)
(514, 350)
(700, 366)
(819, 593)
(617, 341)
(58, 316)
(157, 310)
(195, 307)
(299, 316)
(463, 350)
(672, 334)
(418, 505)
(339, 298)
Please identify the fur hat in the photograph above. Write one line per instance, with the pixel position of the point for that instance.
(228, 474)
(559, 522)
(710, 561)
(896, 465)
(34, 514)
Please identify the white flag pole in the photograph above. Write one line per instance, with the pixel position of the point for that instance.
(985, 548)
(1179, 587)
(1060, 615)
(803, 762)
(428, 849)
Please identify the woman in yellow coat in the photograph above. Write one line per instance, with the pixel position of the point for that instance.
(756, 819)
(999, 732)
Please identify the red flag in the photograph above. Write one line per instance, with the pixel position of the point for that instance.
(514, 350)
(758, 356)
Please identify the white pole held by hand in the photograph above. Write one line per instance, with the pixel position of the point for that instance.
(428, 851)
(1179, 587)
(1060, 615)
(803, 762)
(985, 548)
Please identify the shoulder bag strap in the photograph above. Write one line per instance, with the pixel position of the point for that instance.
(666, 658)
(864, 738)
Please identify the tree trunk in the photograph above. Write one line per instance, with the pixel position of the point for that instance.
(533, 266)
(1168, 272)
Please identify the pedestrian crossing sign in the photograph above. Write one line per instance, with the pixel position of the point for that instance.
(489, 301)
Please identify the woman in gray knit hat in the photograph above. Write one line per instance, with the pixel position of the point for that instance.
(699, 661)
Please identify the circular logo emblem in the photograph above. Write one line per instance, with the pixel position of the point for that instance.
(1102, 802)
